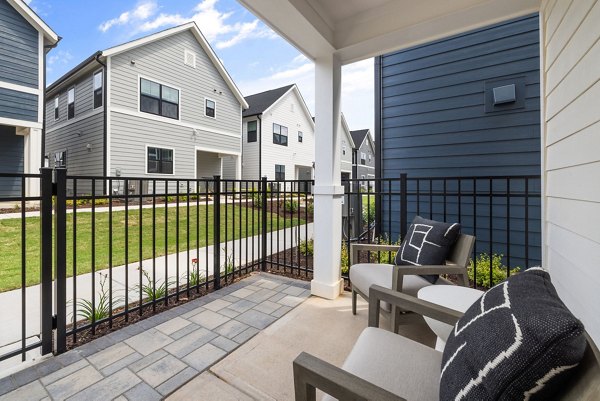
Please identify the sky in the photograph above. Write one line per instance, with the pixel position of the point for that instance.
(257, 58)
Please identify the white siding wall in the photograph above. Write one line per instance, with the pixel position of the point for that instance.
(346, 159)
(571, 59)
(250, 151)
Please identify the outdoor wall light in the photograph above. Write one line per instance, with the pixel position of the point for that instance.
(132, 62)
(504, 94)
(89, 147)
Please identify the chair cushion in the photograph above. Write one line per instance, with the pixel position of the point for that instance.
(518, 341)
(427, 242)
(364, 275)
(393, 362)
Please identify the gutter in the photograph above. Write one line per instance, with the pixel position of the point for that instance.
(43, 99)
(104, 118)
(259, 145)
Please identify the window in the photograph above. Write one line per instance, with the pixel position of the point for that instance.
(369, 157)
(300, 136)
(279, 172)
(160, 161)
(56, 112)
(159, 99)
(251, 131)
(209, 109)
(344, 150)
(60, 159)
(280, 135)
(71, 104)
(363, 158)
(189, 58)
(98, 84)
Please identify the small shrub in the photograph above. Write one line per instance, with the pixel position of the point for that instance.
(229, 264)
(306, 247)
(344, 259)
(290, 206)
(311, 207)
(101, 310)
(482, 267)
(156, 291)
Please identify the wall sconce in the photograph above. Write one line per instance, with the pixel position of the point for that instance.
(89, 147)
(132, 62)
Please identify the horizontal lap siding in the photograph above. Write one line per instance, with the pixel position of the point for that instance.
(18, 105)
(250, 150)
(12, 160)
(572, 212)
(18, 48)
(434, 124)
(84, 101)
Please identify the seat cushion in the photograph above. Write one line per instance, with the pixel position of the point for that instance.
(427, 242)
(519, 341)
(395, 363)
(364, 275)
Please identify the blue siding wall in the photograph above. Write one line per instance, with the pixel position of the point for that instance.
(18, 105)
(12, 160)
(437, 119)
(18, 48)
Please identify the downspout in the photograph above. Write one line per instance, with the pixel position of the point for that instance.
(104, 120)
(259, 146)
(43, 99)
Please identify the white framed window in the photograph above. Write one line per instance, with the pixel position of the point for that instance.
(56, 110)
(280, 135)
(159, 99)
(60, 159)
(369, 157)
(280, 172)
(71, 103)
(210, 108)
(344, 150)
(252, 130)
(98, 88)
(189, 58)
(159, 160)
(363, 158)
(300, 136)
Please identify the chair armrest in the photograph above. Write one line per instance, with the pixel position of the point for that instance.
(311, 373)
(400, 271)
(408, 303)
(355, 248)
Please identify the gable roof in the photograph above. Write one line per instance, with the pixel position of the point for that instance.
(260, 102)
(31, 17)
(347, 130)
(191, 26)
(358, 136)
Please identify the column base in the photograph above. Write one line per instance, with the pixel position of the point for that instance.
(327, 290)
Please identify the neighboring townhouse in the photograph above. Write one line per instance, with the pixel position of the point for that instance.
(363, 156)
(278, 136)
(24, 41)
(347, 145)
(157, 107)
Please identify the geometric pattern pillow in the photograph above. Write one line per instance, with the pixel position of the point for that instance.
(518, 342)
(427, 242)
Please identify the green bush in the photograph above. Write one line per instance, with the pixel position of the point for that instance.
(368, 209)
(155, 291)
(306, 247)
(101, 309)
(384, 257)
(290, 206)
(482, 267)
(311, 207)
(344, 259)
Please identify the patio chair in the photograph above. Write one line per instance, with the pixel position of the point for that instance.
(406, 279)
(385, 366)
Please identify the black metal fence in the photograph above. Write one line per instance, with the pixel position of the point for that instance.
(103, 260)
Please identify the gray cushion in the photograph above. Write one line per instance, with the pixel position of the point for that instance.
(519, 341)
(395, 363)
(427, 242)
(364, 275)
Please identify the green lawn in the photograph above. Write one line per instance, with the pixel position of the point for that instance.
(10, 238)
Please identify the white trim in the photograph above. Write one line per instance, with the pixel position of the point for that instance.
(56, 105)
(172, 121)
(20, 88)
(215, 102)
(139, 93)
(34, 20)
(73, 120)
(101, 72)
(347, 130)
(108, 114)
(41, 70)
(305, 108)
(146, 159)
(20, 123)
(200, 38)
(215, 150)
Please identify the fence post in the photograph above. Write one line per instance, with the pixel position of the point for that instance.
(46, 259)
(263, 224)
(217, 232)
(60, 261)
(403, 205)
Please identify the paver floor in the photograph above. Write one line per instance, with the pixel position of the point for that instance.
(154, 357)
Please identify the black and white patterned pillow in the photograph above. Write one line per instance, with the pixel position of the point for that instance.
(517, 342)
(427, 242)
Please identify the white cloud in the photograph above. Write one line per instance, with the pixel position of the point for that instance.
(142, 11)
(60, 57)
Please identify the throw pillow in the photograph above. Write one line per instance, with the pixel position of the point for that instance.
(427, 242)
(518, 342)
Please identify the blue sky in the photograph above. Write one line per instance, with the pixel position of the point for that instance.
(255, 56)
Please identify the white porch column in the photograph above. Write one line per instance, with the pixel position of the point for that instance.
(32, 138)
(328, 192)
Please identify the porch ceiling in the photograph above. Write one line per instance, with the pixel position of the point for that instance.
(359, 29)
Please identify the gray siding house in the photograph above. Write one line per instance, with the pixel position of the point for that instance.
(156, 107)
(436, 117)
(363, 157)
(24, 41)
